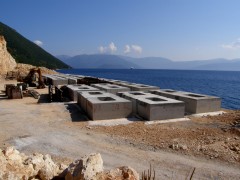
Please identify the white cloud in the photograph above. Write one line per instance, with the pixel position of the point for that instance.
(137, 49)
(232, 45)
(38, 42)
(132, 48)
(127, 49)
(102, 49)
(111, 48)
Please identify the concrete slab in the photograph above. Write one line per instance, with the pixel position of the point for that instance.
(110, 88)
(194, 103)
(112, 122)
(159, 108)
(167, 121)
(73, 89)
(108, 107)
(217, 113)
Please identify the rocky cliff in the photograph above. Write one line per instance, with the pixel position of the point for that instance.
(7, 62)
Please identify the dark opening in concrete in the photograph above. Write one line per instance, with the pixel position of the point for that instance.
(156, 99)
(94, 93)
(83, 88)
(136, 93)
(194, 95)
(106, 99)
(170, 91)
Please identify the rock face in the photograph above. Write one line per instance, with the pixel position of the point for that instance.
(15, 165)
(121, 173)
(85, 168)
(7, 62)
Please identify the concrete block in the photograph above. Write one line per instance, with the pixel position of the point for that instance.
(143, 87)
(138, 87)
(72, 80)
(133, 96)
(108, 107)
(194, 103)
(110, 88)
(82, 97)
(74, 88)
(54, 80)
(159, 108)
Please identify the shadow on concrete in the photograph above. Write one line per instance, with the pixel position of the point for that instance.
(76, 113)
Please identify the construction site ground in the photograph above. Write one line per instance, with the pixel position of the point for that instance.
(200, 148)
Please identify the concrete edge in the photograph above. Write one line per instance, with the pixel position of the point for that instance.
(112, 122)
(216, 113)
(166, 121)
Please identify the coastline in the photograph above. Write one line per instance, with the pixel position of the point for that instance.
(61, 130)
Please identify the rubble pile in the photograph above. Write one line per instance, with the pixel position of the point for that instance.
(23, 69)
(16, 165)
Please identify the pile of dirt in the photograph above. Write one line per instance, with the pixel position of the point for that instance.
(16, 165)
(212, 137)
(23, 69)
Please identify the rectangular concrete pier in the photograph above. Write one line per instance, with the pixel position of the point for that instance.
(133, 96)
(73, 89)
(84, 95)
(194, 103)
(160, 108)
(55, 80)
(136, 87)
(111, 88)
(107, 106)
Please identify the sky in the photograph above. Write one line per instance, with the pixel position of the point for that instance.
(176, 29)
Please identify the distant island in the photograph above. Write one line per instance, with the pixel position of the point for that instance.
(108, 61)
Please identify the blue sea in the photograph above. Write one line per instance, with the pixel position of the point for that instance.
(224, 84)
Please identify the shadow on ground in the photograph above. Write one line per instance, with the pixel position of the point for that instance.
(43, 98)
(76, 113)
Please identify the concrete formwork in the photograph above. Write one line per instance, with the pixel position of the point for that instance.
(194, 103)
(73, 89)
(159, 108)
(110, 88)
(109, 106)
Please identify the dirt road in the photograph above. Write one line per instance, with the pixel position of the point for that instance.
(59, 129)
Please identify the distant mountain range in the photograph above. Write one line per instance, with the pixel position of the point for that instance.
(106, 61)
(25, 51)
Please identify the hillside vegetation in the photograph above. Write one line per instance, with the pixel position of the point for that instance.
(27, 52)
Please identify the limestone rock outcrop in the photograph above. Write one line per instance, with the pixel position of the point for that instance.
(121, 173)
(85, 168)
(23, 69)
(15, 165)
(7, 62)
